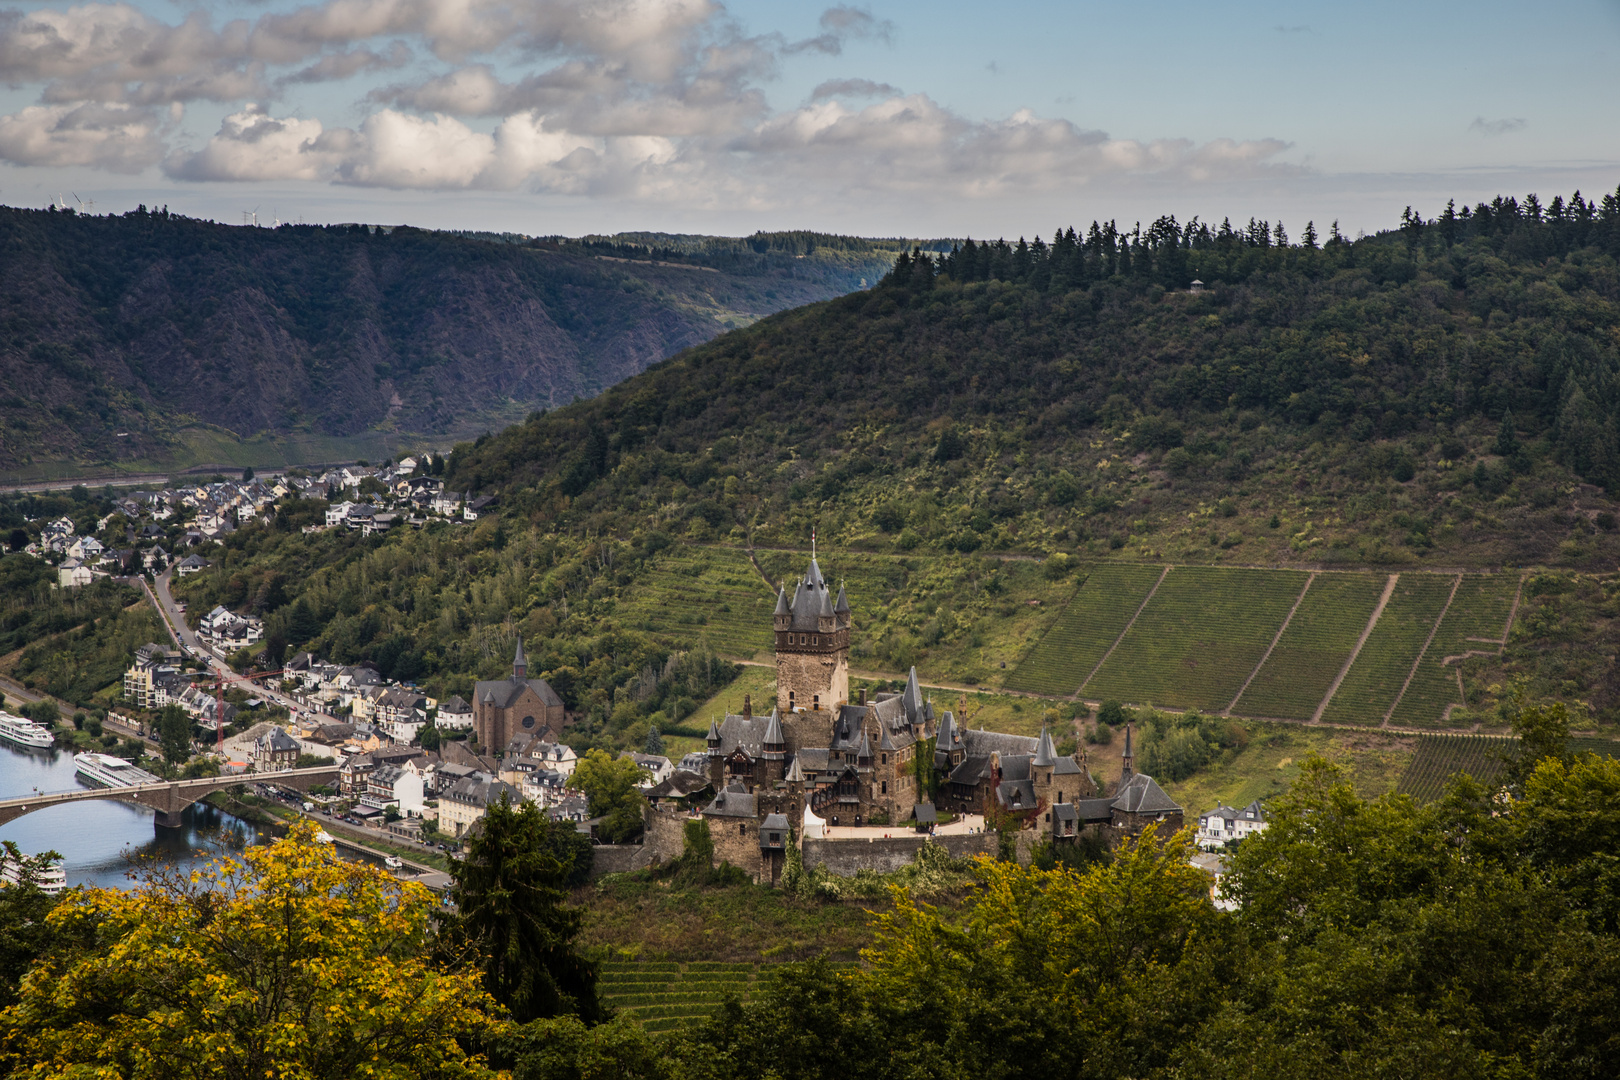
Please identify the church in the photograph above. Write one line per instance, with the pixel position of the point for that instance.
(505, 708)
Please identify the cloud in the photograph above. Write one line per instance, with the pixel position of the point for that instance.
(836, 88)
(1298, 28)
(252, 145)
(115, 137)
(345, 65)
(1491, 128)
(843, 24)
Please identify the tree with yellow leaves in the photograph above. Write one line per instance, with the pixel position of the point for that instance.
(285, 962)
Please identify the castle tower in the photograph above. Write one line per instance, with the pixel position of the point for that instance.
(1041, 767)
(812, 646)
(1128, 759)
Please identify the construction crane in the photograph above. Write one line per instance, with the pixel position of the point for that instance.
(219, 699)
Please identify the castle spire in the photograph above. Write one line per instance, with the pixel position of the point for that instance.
(520, 663)
(1045, 752)
(1128, 759)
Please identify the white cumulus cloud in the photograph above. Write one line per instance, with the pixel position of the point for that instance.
(119, 138)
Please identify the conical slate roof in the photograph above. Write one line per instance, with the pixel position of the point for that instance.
(519, 661)
(1045, 753)
(826, 603)
(865, 752)
(842, 606)
(773, 731)
(781, 601)
(795, 775)
(912, 700)
(714, 732)
(813, 576)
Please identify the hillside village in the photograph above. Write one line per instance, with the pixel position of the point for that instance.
(152, 530)
(816, 766)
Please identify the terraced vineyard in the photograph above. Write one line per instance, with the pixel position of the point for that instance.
(1440, 756)
(669, 995)
(1375, 679)
(1088, 627)
(871, 581)
(1479, 610)
(703, 593)
(1308, 656)
(1197, 640)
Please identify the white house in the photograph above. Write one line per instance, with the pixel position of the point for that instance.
(455, 715)
(556, 757)
(1224, 824)
(72, 574)
(336, 515)
(655, 768)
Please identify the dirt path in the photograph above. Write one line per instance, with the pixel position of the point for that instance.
(1298, 600)
(1366, 632)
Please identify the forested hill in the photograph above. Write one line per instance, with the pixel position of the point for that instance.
(120, 334)
(1442, 392)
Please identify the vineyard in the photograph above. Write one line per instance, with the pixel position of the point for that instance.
(1088, 627)
(663, 996)
(706, 594)
(1313, 648)
(1375, 679)
(1201, 635)
(1479, 610)
(1438, 757)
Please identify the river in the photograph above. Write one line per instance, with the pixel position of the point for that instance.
(101, 841)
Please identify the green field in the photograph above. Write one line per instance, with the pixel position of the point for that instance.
(703, 594)
(667, 995)
(1311, 651)
(1479, 610)
(1386, 659)
(1093, 620)
(1199, 637)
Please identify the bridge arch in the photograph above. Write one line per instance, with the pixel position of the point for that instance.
(168, 798)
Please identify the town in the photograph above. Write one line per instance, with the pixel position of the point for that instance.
(853, 781)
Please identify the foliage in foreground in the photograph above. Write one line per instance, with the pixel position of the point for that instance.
(287, 962)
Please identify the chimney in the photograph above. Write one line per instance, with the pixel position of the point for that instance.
(748, 707)
(863, 695)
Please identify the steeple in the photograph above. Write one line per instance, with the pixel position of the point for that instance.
(520, 663)
(1045, 752)
(1128, 759)
(842, 606)
(912, 700)
(795, 775)
(781, 601)
(713, 739)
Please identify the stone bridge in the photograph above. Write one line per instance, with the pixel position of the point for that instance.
(169, 797)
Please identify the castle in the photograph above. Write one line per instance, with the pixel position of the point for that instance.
(817, 757)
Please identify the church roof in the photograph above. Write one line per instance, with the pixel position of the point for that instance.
(518, 659)
(503, 692)
(1139, 794)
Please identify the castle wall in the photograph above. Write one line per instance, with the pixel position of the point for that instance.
(886, 854)
(665, 838)
(736, 841)
(619, 858)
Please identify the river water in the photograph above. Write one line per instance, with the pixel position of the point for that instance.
(102, 841)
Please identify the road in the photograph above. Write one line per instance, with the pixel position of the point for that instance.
(182, 634)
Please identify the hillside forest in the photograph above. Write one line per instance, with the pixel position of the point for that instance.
(150, 339)
(985, 427)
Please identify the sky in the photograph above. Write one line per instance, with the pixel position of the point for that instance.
(896, 118)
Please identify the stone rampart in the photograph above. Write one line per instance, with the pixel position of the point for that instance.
(885, 854)
(619, 859)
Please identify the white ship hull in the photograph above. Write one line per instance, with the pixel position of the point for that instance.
(19, 731)
(51, 881)
(112, 772)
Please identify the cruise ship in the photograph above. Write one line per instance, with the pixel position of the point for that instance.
(52, 880)
(20, 731)
(109, 771)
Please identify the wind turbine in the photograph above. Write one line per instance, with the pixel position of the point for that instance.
(255, 217)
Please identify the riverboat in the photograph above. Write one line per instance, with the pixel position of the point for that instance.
(112, 772)
(20, 731)
(51, 880)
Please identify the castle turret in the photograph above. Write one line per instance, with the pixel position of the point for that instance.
(713, 739)
(774, 746)
(812, 646)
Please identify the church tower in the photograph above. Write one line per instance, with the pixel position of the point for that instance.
(812, 646)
